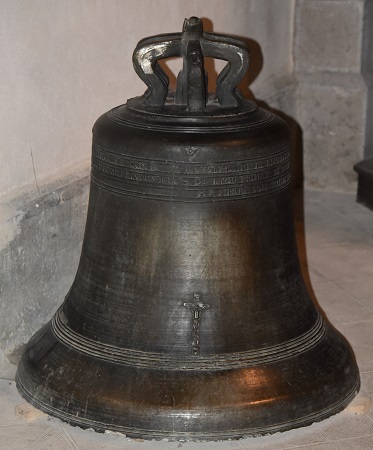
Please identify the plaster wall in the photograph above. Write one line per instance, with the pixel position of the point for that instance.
(64, 63)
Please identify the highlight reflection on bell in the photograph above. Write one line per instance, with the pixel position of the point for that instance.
(188, 317)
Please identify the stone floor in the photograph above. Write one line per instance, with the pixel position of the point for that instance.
(335, 239)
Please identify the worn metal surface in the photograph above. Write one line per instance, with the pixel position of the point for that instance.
(189, 317)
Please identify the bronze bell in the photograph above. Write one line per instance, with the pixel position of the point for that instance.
(188, 317)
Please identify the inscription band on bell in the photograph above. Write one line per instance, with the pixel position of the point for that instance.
(190, 181)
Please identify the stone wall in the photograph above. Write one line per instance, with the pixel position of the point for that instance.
(367, 72)
(331, 94)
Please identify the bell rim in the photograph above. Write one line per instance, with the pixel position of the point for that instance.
(189, 436)
(290, 409)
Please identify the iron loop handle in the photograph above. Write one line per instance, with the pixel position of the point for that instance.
(193, 44)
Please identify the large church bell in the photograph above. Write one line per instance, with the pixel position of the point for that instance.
(188, 317)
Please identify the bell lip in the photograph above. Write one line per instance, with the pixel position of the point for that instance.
(209, 416)
(189, 436)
